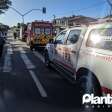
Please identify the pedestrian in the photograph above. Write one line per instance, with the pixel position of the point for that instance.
(2, 41)
(31, 44)
(15, 35)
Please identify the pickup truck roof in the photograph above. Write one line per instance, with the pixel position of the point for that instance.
(101, 23)
(75, 27)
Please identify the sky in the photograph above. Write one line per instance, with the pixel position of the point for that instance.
(59, 8)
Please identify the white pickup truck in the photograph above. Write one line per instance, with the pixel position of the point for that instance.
(84, 54)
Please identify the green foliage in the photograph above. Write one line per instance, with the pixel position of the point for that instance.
(3, 27)
(4, 5)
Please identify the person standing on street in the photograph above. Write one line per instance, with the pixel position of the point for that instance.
(32, 44)
(15, 35)
(2, 41)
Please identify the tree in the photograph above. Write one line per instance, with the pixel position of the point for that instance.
(4, 5)
(3, 27)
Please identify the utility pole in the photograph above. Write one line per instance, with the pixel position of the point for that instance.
(54, 17)
(18, 13)
(23, 15)
(23, 19)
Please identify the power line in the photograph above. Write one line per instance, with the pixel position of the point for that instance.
(86, 8)
(82, 9)
(92, 6)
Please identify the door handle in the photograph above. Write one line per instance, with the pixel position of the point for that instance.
(73, 51)
(59, 48)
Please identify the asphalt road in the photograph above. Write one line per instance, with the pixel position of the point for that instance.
(26, 85)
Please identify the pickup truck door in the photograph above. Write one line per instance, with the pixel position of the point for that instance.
(71, 50)
(58, 47)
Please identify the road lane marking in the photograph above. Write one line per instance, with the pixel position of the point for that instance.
(7, 63)
(9, 50)
(37, 54)
(38, 84)
(25, 58)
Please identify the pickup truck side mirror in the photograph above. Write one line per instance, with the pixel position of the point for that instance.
(57, 42)
(51, 41)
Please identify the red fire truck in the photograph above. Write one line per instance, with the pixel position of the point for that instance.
(39, 33)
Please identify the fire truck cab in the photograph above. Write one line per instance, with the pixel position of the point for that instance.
(39, 33)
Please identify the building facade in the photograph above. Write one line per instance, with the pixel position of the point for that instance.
(65, 22)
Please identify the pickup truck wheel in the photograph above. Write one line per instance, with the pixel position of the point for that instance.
(89, 85)
(46, 57)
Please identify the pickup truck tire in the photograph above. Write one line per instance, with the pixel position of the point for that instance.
(87, 84)
(46, 58)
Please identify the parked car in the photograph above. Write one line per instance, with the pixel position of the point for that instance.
(2, 41)
(85, 55)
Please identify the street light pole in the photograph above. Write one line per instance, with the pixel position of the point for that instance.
(31, 11)
(23, 18)
(16, 11)
(23, 15)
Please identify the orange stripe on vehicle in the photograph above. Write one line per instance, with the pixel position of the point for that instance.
(100, 56)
